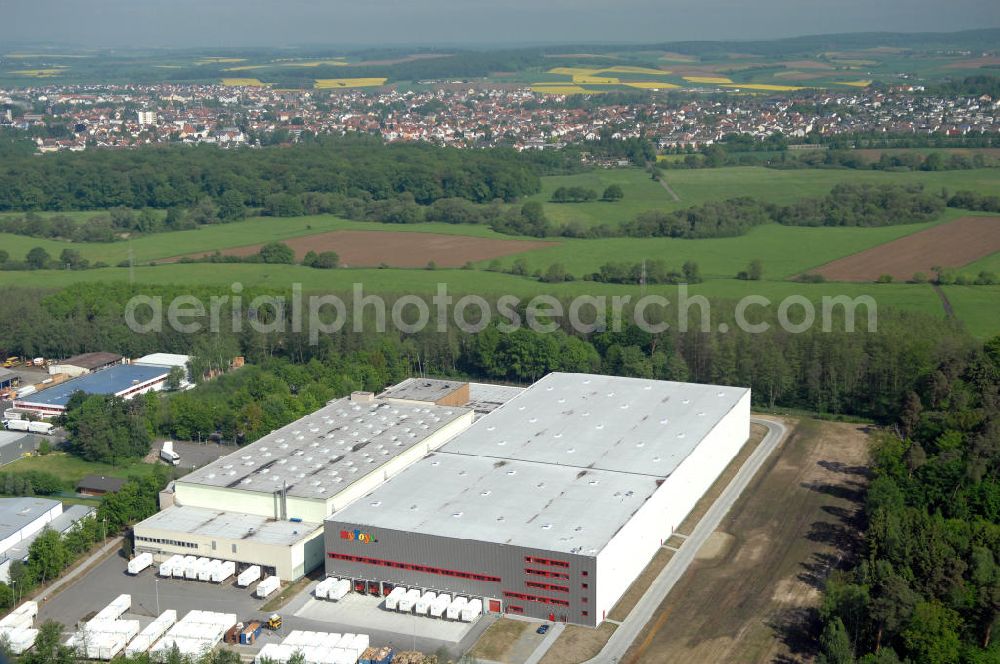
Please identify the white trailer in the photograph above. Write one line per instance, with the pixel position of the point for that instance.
(423, 604)
(168, 565)
(407, 601)
(139, 563)
(43, 428)
(392, 599)
(472, 610)
(248, 576)
(456, 606)
(267, 586)
(323, 587)
(440, 605)
(168, 454)
(206, 570)
(339, 590)
(223, 571)
(18, 425)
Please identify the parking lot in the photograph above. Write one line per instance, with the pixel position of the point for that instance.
(355, 613)
(195, 455)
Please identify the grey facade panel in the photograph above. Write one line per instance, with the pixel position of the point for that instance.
(443, 564)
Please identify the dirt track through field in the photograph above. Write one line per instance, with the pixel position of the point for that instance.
(395, 249)
(954, 244)
(752, 597)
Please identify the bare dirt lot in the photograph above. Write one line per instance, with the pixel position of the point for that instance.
(754, 599)
(954, 244)
(374, 248)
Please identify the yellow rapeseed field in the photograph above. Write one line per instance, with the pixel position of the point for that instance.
(764, 86)
(717, 80)
(333, 83)
(573, 71)
(39, 73)
(651, 85)
(625, 69)
(581, 79)
(856, 84)
(247, 82)
(559, 89)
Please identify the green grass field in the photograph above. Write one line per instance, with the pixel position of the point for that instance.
(698, 186)
(72, 469)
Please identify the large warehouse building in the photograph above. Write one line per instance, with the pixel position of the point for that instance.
(553, 503)
(265, 503)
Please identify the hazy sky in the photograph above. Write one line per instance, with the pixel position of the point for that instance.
(291, 22)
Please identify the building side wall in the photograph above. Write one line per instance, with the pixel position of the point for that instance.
(635, 544)
(444, 564)
(210, 497)
(31, 528)
(289, 561)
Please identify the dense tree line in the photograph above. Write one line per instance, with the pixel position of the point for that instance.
(927, 587)
(835, 372)
(182, 176)
(864, 205)
(648, 272)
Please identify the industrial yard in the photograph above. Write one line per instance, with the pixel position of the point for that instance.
(412, 520)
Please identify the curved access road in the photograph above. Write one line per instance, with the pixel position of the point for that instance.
(646, 607)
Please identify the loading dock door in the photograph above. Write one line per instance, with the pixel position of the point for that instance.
(494, 605)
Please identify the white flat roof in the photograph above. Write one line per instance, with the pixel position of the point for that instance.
(530, 473)
(228, 525)
(528, 504)
(630, 425)
(320, 454)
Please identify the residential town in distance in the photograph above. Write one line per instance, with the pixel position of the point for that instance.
(121, 116)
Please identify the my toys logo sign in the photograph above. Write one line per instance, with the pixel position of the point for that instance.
(357, 536)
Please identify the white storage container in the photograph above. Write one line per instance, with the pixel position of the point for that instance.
(267, 586)
(455, 608)
(472, 610)
(392, 599)
(249, 575)
(423, 604)
(440, 605)
(407, 601)
(140, 562)
(339, 590)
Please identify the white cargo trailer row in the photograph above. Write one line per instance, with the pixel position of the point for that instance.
(168, 566)
(316, 648)
(16, 628)
(249, 575)
(430, 603)
(333, 589)
(202, 569)
(151, 633)
(139, 563)
(195, 634)
(105, 636)
(267, 586)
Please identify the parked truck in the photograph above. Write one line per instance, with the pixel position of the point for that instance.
(43, 428)
(18, 425)
(167, 453)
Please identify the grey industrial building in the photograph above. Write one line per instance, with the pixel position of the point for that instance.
(551, 504)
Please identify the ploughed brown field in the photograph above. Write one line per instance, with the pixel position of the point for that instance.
(954, 244)
(373, 248)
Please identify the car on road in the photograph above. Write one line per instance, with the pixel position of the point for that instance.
(542, 630)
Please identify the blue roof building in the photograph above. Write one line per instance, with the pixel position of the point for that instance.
(123, 380)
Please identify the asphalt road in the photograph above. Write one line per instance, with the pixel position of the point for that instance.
(646, 607)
